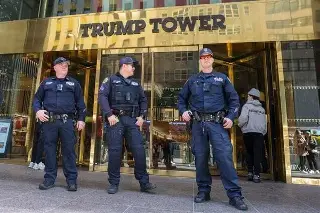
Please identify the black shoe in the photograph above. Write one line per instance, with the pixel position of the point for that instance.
(147, 187)
(112, 189)
(238, 203)
(202, 197)
(250, 176)
(45, 186)
(72, 188)
(256, 179)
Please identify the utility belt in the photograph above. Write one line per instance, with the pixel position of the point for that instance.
(64, 117)
(130, 113)
(217, 117)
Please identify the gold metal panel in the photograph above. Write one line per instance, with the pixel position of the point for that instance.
(95, 112)
(85, 94)
(285, 133)
(124, 51)
(174, 49)
(316, 24)
(233, 129)
(151, 129)
(246, 22)
(309, 181)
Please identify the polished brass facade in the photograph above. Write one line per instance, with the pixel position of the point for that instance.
(285, 134)
(252, 21)
(95, 112)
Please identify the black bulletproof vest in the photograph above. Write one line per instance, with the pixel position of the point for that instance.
(125, 94)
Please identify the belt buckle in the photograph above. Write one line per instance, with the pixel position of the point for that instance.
(64, 118)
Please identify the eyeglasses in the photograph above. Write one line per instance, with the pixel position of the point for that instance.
(205, 57)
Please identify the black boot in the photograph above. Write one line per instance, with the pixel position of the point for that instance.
(256, 179)
(72, 188)
(45, 185)
(147, 187)
(202, 197)
(112, 189)
(238, 203)
(250, 176)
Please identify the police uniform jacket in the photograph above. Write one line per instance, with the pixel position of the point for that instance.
(119, 93)
(60, 96)
(209, 93)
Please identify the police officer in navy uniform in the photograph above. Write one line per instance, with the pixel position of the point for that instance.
(124, 104)
(56, 103)
(210, 100)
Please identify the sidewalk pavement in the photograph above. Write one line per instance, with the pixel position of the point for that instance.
(20, 193)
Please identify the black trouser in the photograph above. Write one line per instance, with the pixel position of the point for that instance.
(302, 162)
(127, 128)
(254, 143)
(312, 161)
(37, 147)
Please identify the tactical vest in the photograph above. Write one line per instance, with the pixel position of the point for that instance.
(125, 94)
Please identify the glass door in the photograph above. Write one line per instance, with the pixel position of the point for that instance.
(169, 145)
(83, 69)
(244, 64)
(110, 65)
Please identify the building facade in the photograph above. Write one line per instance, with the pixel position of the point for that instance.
(272, 45)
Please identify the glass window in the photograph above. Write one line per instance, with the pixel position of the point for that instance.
(318, 16)
(304, 65)
(278, 7)
(246, 10)
(235, 10)
(148, 4)
(169, 3)
(228, 10)
(18, 74)
(18, 9)
(294, 5)
(286, 6)
(302, 99)
(127, 4)
(270, 7)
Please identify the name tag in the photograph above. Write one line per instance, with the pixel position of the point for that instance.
(134, 84)
(70, 83)
(218, 79)
(116, 81)
(49, 82)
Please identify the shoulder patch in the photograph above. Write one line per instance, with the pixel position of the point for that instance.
(105, 80)
(101, 88)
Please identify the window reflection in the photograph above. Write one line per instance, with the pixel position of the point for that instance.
(71, 7)
(301, 79)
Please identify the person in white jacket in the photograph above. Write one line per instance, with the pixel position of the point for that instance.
(253, 124)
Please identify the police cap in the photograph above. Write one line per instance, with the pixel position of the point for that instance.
(60, 60)
(126, 60)
(206, 51)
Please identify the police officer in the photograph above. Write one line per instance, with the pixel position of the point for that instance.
(124, 104)
(56, 102)
(210, 99)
